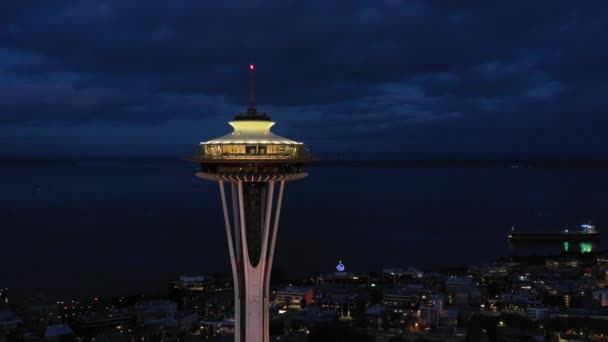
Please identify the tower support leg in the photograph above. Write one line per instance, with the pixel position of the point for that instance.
(251, 227)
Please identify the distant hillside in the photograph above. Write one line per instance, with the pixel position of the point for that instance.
(467, 163)
(17, 161)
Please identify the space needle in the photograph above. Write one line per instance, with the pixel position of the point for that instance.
(256, 164)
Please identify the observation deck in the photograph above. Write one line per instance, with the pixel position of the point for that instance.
(251, 153)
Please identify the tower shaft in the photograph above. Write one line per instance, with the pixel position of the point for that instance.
(252, 220)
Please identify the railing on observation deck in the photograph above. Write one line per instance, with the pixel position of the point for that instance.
(298, 152)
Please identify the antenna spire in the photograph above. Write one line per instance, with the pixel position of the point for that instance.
(252, 86)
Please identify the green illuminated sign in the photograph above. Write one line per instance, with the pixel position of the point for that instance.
(586, 247)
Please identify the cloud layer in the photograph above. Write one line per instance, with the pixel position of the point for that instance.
(409, 77)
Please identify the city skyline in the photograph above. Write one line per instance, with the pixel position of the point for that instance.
(452, 184)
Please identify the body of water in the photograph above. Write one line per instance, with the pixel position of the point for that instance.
(108, 228)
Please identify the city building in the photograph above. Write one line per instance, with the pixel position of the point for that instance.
(376, 315)
(537, 313)
(497, 270)
(449, 317)
(462, 291)
(216, 306)
(405, 296)
(340, 299)
(255, 162)
(430, 315)
(312, 315)
(39, 312)
(430, 311)
(59, 332)
(520, 298)
(601, 296)
(397, 275)
(457, 284)
(155, 310)
(4, 295)
(92, 323)
(191, 288)
(220, 327)
(343, 277)
(294, 297)
(8, 319)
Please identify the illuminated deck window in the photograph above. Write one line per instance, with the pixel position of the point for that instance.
(251, 151)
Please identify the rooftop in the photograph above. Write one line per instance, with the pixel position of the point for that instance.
(251, 132)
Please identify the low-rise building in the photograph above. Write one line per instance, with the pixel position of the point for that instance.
(339, 299)
(59, 332)
(538, 313)
(403, 297)
(601, 296)
(4, 295)
(398, 275)
(429, 315)
(155, 310)
(8, 320)
(449, 317)
(191, 287)
(294, 297)
(457, 284)
(376, 315)
(430, 311)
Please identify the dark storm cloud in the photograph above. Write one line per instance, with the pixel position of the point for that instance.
(459, 73)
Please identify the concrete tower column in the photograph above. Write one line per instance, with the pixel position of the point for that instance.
(251, 273)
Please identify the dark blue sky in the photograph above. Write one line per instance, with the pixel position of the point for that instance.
(416, 78)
